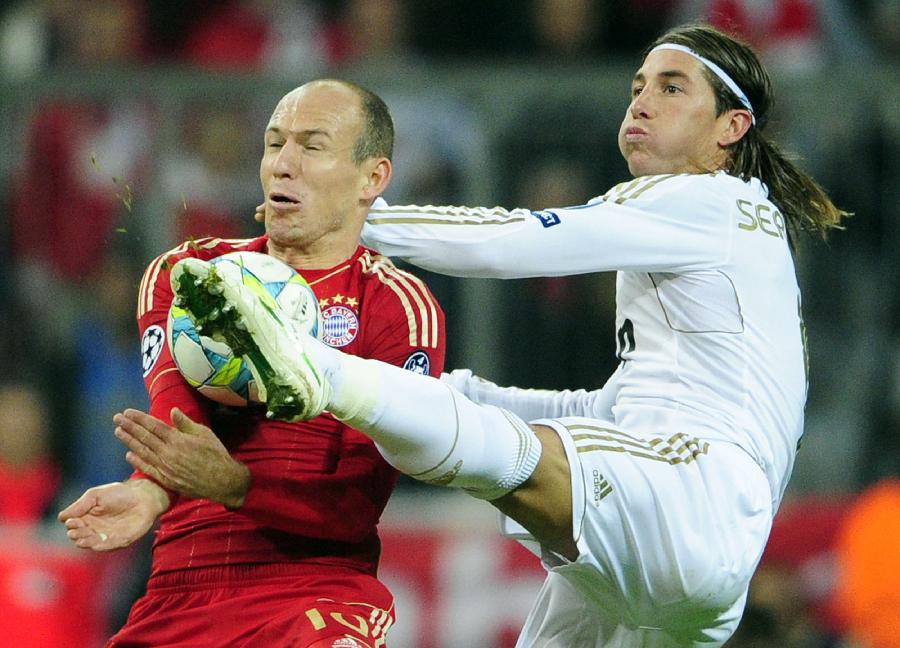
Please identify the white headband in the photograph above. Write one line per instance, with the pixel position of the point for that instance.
(715, 69)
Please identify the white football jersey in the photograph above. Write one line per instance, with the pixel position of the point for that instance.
(708, 319)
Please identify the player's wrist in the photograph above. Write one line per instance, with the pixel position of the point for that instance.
(239, 487)
(153, 494)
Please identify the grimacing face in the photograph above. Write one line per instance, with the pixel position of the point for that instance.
(670, 125)
(312, 186)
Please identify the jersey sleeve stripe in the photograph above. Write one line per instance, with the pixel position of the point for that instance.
(409, 289)
(621, 188)
(647, 185)
(208, 243)
(415, 288)
(422, 295)
(143, 287)
(414, 214)
(148, 282)
(145, 280)
(158, 376)
(407, 306)
(239, 243)
(400, 220)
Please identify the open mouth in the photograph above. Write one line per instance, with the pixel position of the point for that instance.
(282, 199)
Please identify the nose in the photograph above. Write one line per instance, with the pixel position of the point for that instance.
(286, 163)
(640, 108)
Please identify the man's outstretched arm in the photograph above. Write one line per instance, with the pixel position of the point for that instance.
(114, 515)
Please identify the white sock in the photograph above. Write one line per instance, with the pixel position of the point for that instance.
(427, 429)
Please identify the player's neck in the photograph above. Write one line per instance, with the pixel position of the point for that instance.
(318, 255)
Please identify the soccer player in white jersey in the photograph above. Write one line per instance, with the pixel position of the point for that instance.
(650, 500)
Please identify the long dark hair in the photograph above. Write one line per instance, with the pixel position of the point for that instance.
(804, 204)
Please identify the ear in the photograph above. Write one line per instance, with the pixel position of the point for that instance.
(377, 178)
(736, 123)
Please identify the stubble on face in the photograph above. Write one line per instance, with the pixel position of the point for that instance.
(670, 125)
(317, 125)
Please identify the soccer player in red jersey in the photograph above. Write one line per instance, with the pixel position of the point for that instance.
(267, 529)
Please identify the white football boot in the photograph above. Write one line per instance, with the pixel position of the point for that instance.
(252, 323)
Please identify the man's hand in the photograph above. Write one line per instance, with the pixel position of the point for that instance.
(114, 515)
(188, 458)
(260, 214)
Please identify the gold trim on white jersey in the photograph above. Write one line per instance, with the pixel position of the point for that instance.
(634, 188)
(678, 448)
(445, 215)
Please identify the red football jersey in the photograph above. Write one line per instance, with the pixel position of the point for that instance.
(318, 487)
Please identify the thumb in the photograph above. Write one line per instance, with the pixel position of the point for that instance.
(260, 214)
(79, 507)
(184, 423)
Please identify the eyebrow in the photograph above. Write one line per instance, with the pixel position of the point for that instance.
(309, 132)
(666, 74)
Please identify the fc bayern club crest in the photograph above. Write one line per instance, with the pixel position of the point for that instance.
(341, 325)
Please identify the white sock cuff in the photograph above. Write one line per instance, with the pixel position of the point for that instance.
(522, 464)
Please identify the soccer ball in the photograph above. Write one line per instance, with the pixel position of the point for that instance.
(209, 364)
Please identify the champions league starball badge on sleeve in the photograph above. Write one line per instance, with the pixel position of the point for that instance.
(418, 363)
(151, 347)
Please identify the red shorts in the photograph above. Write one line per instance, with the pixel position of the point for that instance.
(270, 606)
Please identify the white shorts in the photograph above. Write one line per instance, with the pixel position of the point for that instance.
(669, 531)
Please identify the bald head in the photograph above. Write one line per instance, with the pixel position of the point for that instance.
(325, 160)
(376, 135)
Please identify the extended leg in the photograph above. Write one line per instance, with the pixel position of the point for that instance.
(422, 426)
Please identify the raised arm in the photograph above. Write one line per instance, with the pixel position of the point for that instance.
(658, 223)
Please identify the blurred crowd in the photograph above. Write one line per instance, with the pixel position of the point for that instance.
(99, 177)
